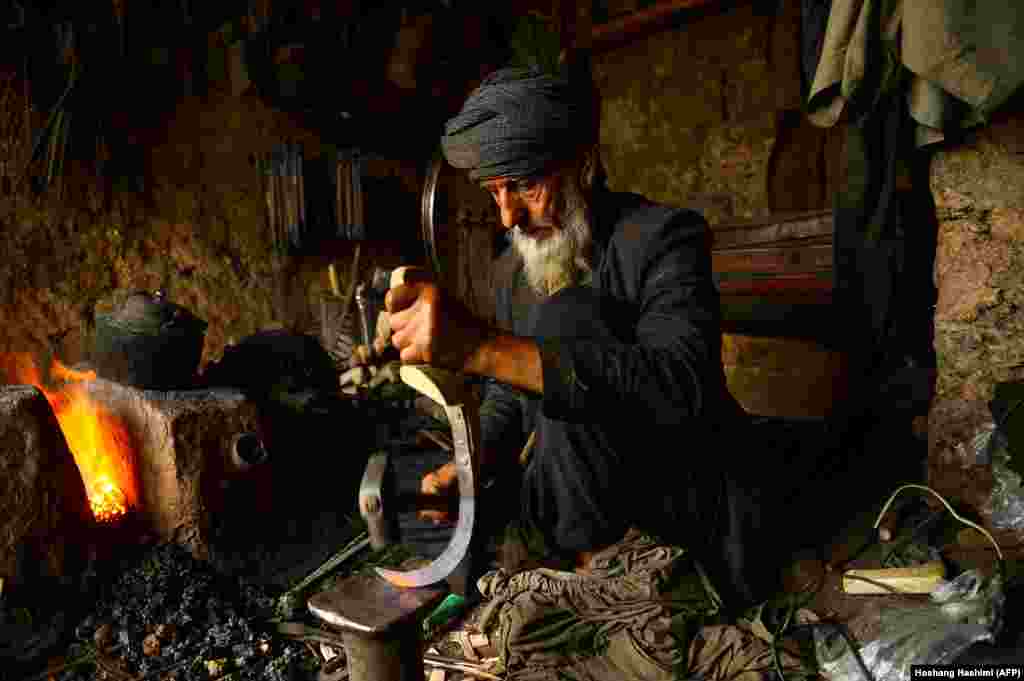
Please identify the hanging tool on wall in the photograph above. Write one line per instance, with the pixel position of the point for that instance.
(286, 196)
(349, 195)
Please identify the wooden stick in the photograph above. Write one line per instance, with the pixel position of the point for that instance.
(439, 439)
(353, 275)
(454, 664)
(524, 455)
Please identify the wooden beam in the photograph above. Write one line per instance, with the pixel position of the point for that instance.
(613, 33)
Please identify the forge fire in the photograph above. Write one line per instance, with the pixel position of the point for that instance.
(98, 440)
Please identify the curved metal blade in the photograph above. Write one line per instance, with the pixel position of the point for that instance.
(463, 420)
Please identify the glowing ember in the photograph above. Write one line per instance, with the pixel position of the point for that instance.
(98, 440)
(107, 500)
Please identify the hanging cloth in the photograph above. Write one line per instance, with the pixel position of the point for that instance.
(964, 59)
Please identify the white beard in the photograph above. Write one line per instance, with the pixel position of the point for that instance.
(563, 258)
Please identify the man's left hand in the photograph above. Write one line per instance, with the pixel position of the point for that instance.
(430, 326)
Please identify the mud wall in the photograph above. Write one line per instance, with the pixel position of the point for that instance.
(198, 231)
(978, 185)
(706, 113)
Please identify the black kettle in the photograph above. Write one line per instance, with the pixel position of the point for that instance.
(149, 342)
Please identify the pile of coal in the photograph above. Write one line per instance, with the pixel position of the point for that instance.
(170, 617)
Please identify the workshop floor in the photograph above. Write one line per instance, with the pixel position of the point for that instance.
(814, 578)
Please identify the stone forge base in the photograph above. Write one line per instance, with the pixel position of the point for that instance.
(45, 520)
(185, 444)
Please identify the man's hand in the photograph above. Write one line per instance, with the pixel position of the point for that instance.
(429, 326)
(442, 482)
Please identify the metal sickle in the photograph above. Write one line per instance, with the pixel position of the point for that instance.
(450, 391)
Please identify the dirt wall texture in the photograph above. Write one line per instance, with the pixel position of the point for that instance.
(707, 114)
(198, 231)
(978, 185)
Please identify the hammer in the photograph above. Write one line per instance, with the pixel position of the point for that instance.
(380, 503)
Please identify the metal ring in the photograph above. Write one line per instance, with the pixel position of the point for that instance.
(428, 216)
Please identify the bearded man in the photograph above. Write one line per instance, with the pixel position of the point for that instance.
(608, 348)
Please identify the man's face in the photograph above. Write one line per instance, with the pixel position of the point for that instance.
(550, 227)
(529, 203)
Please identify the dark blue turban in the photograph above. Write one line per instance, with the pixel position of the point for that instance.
(516, 123)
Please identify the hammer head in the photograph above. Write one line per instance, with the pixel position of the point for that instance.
(371, 502)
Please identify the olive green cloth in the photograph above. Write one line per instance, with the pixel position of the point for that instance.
(965, 59)
(640, 610)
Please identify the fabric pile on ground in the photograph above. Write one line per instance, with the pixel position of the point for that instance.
(640, 610)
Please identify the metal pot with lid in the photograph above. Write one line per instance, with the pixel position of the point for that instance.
(149, 342)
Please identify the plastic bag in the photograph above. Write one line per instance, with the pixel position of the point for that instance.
(1005, 505)
(962, 612)
(979, 449)
(990, 447)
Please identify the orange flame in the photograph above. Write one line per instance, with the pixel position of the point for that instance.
(97, 439)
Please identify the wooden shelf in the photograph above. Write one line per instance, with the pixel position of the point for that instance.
(608, 35)
(775, 275)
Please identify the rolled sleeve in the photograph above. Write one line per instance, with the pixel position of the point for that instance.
(501, 417)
